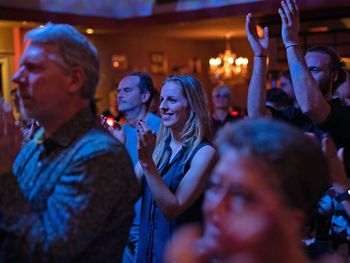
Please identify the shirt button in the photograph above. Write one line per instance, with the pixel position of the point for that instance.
(39, 164)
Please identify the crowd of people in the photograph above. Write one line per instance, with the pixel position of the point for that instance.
(175, 183)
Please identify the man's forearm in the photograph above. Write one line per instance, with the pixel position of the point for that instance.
(257, 88)
(308, 94)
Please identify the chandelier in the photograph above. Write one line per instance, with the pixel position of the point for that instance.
(227, 65)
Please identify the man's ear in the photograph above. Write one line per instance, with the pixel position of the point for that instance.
(77, 80)
(145, 96)
(334, 76)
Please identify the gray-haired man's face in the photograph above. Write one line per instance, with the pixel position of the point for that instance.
(42, 83)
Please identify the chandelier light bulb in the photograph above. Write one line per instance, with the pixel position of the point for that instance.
(227, 66)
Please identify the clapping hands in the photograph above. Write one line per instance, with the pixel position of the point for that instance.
(259, 45)
(289, 13)
(115, 129)
(146, 143)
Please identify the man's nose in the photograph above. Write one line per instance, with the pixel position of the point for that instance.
(18, 76)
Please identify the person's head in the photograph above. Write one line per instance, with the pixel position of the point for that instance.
(221, 97)
(135, 92)
(58, 64)
(286, 84)
(343, 90)
(269, 178)
(277, 98)
(326, 68)
(184, 111)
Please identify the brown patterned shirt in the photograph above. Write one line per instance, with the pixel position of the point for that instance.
(70, 197)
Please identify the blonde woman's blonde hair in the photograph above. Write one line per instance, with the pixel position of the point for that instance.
(198, 126)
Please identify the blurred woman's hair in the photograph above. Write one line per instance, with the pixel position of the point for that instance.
(298, 166)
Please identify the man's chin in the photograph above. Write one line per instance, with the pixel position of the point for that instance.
(325, 88)
(122, 110)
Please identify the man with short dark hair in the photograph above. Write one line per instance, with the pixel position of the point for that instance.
(135, 92)
(71, 195)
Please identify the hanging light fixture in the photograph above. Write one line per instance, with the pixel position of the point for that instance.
(227, 65)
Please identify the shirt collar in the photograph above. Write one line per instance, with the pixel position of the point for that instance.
(69, 131)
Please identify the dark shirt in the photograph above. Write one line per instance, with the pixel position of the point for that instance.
(70, 197)
(155, 228)
(333, 212)
(218, 124)
(332, 223)
(337, 125)
(296, 117)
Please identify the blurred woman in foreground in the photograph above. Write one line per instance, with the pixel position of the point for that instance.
(267, 181)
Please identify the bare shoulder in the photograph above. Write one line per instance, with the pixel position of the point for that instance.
(204, 154)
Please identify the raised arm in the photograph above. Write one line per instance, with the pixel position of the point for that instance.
(191, 186)
(307, 93)
(257, 85)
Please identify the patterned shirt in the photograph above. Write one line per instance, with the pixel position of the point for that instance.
(70, 197)
(333, 212)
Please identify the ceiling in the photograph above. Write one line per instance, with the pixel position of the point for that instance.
(204, 25)
(208, 29)
(122, 9)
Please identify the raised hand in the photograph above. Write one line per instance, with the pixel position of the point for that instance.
(289, 13)
(259, 45)
(116, 130)
(146, 143)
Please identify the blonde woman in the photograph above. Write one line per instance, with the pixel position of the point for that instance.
(174, 165)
